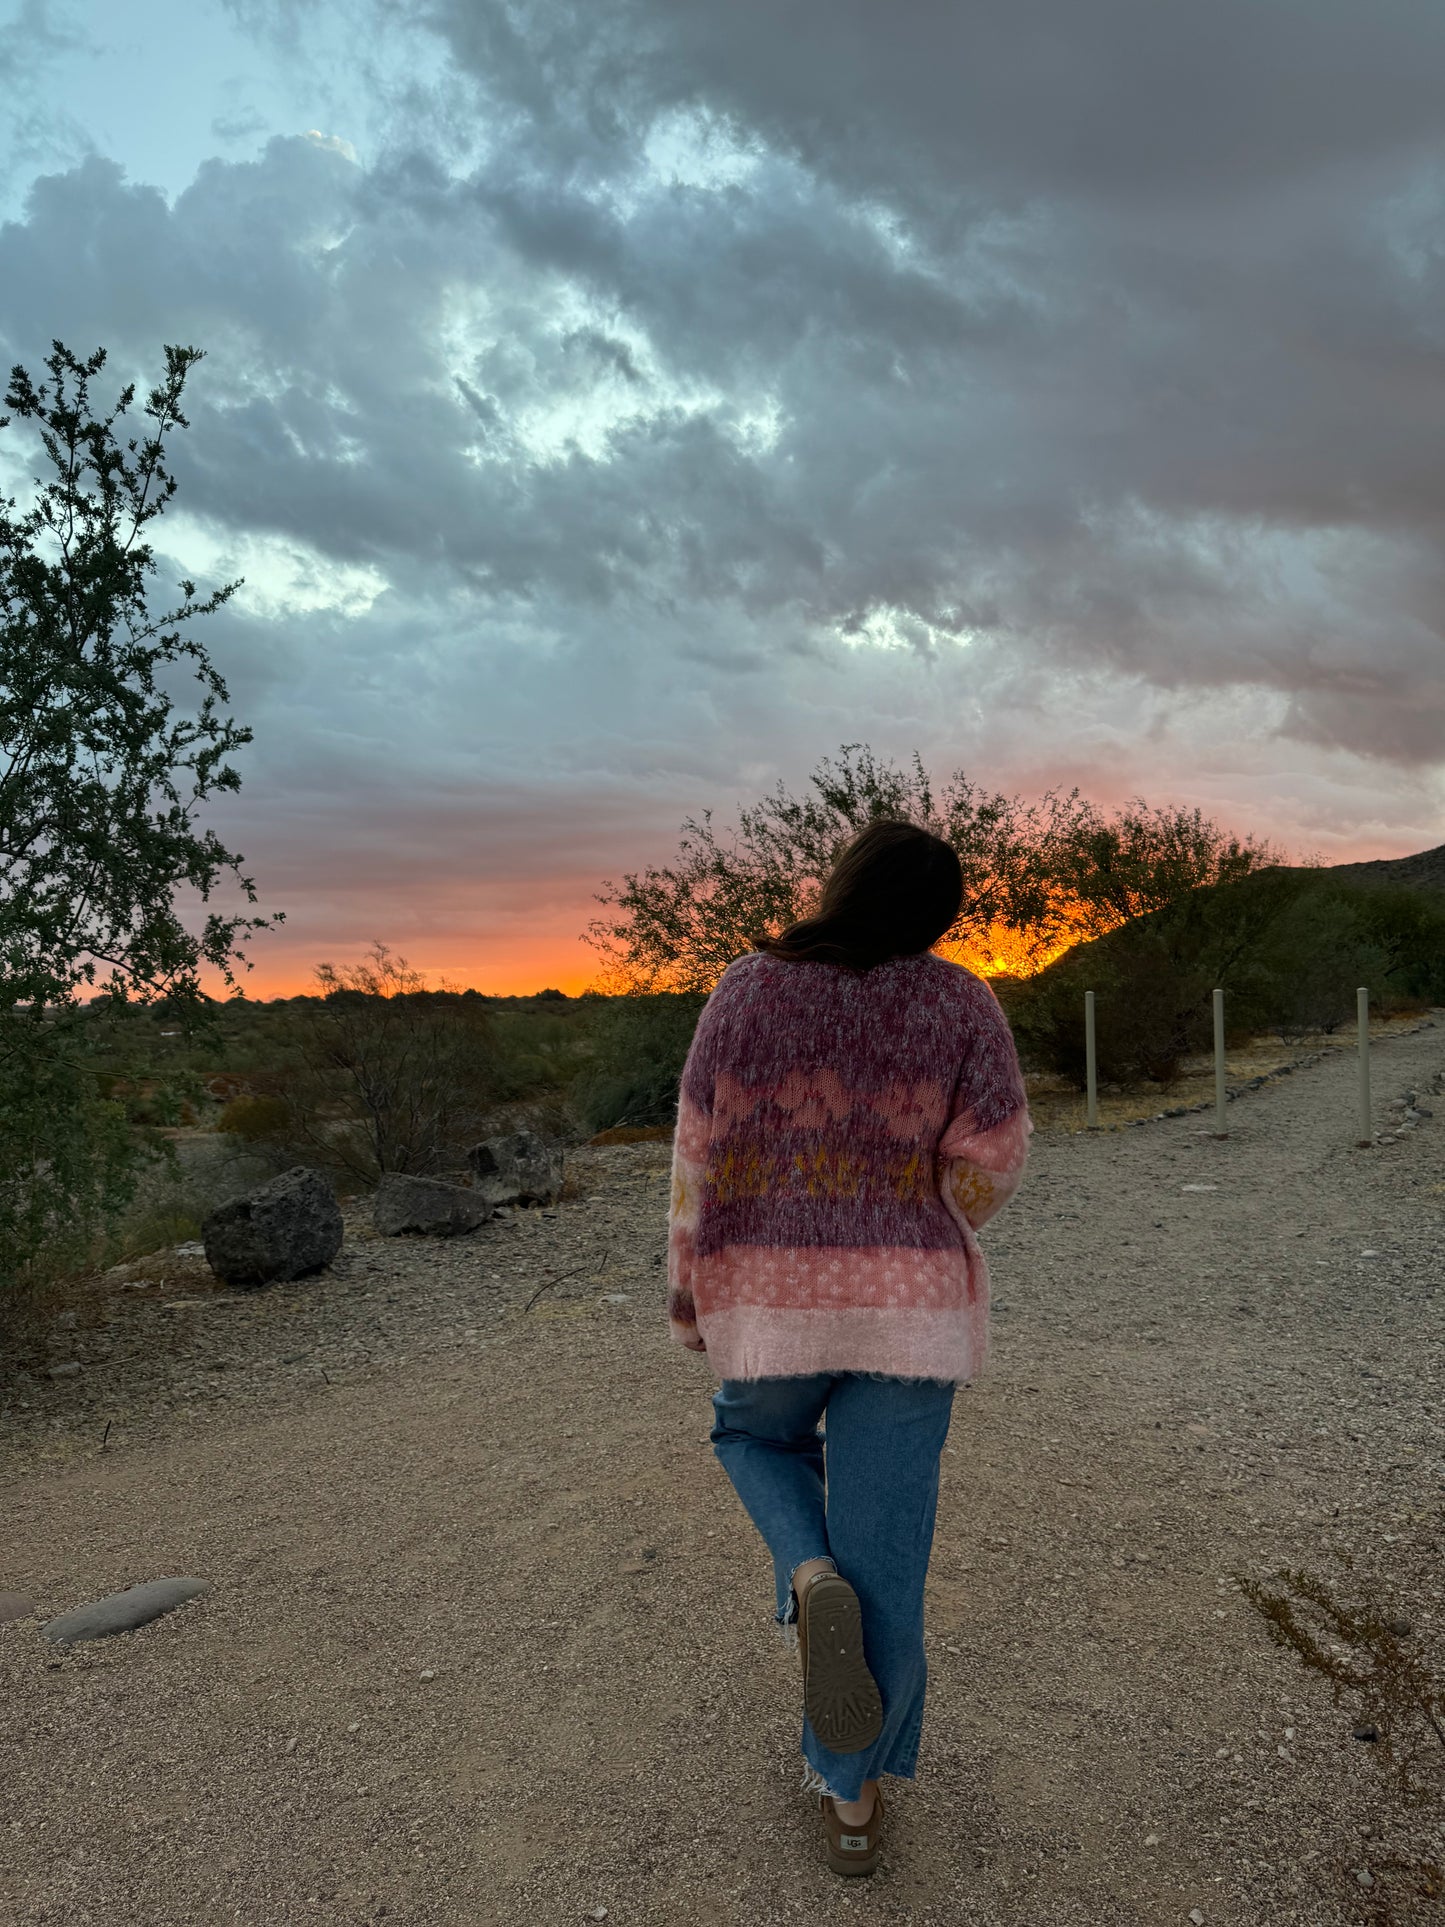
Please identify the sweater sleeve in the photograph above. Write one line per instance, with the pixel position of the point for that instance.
(984, 1148)
(689, 1164)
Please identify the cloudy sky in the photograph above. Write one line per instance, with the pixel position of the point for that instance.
(614, 408)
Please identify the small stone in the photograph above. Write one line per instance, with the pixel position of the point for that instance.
(1199, 1187)
(355, 1727)
(1364, 1876)
(290, 1746)
(1366, 1731)
(1151, 1840)
(14, 1605)
(598, 1913)
(1196, 1917)
(427, 1673)
(1401, 1628)
(64, 1371)
(121, 1612)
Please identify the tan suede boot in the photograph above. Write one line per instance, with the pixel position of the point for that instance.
(840, 1695)
(852, 1850)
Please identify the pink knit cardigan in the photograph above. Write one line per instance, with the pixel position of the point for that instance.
(841, 1137)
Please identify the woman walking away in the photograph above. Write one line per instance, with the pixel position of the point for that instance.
(851, 1113)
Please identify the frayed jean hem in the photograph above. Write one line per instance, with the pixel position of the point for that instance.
(786, 1616)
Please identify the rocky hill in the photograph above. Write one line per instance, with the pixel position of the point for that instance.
(1423, 871)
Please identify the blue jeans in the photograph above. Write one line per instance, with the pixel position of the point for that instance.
(873, 1518)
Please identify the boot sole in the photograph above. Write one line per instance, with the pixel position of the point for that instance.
(840, 1695)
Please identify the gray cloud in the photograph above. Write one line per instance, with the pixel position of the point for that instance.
(673, 397)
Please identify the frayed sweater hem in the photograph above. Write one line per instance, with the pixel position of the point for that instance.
(760, 1341)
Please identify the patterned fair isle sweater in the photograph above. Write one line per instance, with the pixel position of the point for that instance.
(841, 1137)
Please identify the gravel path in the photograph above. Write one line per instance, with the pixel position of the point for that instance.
(489, 1642)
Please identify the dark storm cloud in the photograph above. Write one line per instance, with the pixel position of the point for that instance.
(1180, 261)
(671, 358)
(1124, 101)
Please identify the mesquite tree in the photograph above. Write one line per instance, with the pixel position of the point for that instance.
(100, 779)
(1055, 870)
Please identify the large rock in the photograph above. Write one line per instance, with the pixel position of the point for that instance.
(426, 1204)
(278, 1231)
(516, 1169)
(120, 1612)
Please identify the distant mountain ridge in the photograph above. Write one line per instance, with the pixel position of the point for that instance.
(1423, 871)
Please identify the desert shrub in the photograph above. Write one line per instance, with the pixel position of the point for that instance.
(381, 1073)
(539, 1052)
(68, 1156)
(137, 1233)
(1289, 948)
(640, 1044)
(1149, 1014)
(255, 1117)
(1406, 927)
(1303, 974)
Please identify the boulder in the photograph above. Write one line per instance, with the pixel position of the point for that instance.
(278, 1231)
(403, 1203)
(516, 1169)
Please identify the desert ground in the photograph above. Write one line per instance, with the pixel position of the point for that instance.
(488, 1637)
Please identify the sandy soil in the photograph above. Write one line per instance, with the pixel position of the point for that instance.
(489, 1640)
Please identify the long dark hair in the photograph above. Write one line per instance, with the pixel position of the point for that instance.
(891, 892)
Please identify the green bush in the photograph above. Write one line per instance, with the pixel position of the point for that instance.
(1288, 947)
(68, 1157)
(138, 1233)
(538, 1052)
(255, 1117)
(640, 1044)
(1149, 1014)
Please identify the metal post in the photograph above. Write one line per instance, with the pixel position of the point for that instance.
(1362, 1004)
(1221, 1095)
(1091, 1059)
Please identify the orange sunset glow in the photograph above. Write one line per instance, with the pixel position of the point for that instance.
(559, 959)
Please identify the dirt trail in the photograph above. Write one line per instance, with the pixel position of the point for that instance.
(1186, 1383)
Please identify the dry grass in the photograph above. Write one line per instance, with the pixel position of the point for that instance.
(634, 1134)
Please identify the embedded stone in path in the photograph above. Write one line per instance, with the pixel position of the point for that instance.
(402, 1203)
(277, 1232)
(14, 1605)
(516, 1169)
(119, 1612)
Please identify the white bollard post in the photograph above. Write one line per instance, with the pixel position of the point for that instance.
(1362, 1005)
(1091, 1059)
(1221, 1095)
